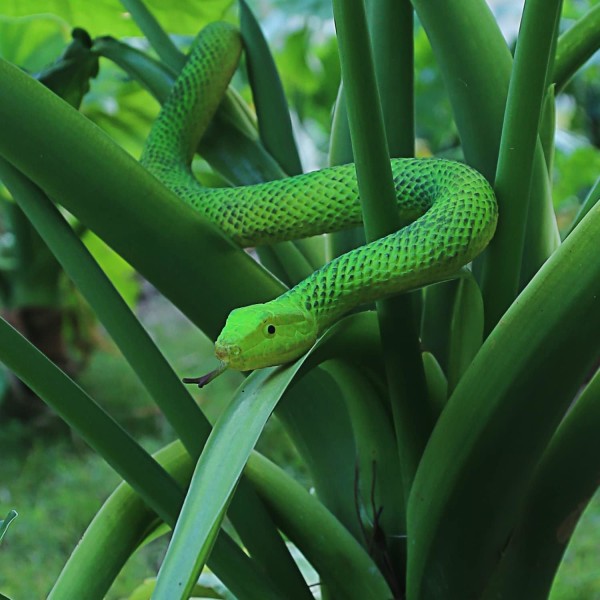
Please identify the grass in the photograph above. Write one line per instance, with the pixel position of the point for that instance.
(56, 484)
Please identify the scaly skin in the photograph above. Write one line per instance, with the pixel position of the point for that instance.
(448, 212)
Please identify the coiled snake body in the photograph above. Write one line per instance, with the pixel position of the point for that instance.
(448, 211)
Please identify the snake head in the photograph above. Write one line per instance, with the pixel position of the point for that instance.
(263, 335)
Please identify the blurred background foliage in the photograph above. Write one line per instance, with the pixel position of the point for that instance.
(54, 482)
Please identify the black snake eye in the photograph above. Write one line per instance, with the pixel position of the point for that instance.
(271, 329)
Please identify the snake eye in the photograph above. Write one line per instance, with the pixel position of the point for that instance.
(270, 330)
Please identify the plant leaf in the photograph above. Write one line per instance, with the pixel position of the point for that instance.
(109, 16)
(274, 123)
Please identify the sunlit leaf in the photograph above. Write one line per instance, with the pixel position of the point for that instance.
(109, 16)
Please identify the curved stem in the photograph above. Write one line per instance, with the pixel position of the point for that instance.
(461, 511)
(122, 524)
(158, 38)
(514, 174)
(576, 46)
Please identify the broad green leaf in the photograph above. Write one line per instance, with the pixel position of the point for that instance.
(32, 42)
(109, 16)
(253, 524)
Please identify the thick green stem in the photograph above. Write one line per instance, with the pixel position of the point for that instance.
(476, 65)
(391, 27)
(502, 272)
(380, 216)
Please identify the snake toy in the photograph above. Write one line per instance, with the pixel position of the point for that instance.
(448, 213)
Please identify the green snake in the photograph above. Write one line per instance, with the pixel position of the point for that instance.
(447, 209)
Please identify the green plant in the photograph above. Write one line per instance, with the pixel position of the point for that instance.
(433, 447)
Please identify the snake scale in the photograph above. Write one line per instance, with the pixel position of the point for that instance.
(448, 212)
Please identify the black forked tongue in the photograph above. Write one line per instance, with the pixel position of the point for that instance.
(205, 379)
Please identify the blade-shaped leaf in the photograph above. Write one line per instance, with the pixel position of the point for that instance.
(219, 468)
(4, 523)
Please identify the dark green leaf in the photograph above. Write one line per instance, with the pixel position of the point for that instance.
(274, 121)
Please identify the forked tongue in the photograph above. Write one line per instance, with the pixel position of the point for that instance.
(206, 379)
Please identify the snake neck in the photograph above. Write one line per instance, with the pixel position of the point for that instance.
(459, 223)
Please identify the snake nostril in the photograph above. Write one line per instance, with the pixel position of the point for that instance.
(225, 351)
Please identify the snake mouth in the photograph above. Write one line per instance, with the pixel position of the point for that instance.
(226, 352)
